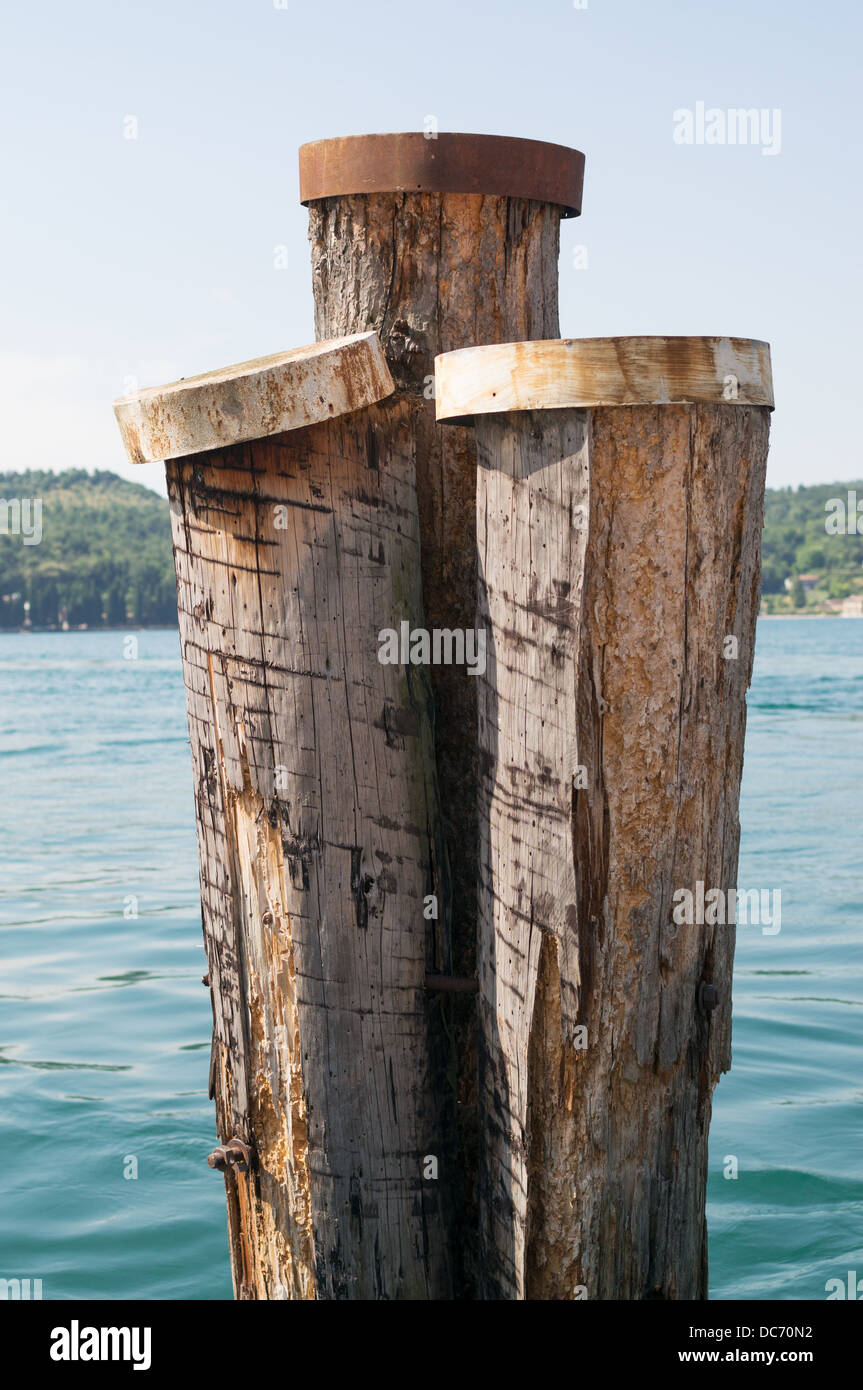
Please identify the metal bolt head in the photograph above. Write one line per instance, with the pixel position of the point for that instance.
(235, 1154)
(708, 997)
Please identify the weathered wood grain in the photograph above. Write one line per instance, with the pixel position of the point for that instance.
(533, 481)
(319, 835)
(433, 272)
(619, 548)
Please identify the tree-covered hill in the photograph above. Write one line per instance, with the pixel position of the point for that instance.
(104, 557)
(797, 541)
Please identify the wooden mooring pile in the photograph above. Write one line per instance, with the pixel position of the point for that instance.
(467, 617)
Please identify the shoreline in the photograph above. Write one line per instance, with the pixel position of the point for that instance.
(65, 631)
(173, 627)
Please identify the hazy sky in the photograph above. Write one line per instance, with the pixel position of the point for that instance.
(154, 258)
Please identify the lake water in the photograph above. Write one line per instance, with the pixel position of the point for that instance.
(104, 1045)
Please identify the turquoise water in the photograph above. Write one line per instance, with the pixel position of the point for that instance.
(791, 1108)
(105, 1034)
(104, 1042)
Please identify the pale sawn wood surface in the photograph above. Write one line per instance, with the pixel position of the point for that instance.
(252, 400)
(565, 372)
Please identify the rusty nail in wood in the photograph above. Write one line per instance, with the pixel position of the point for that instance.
(452, 984)
(234, 1154)
(708, 997)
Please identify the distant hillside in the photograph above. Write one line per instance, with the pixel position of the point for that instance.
(104, 557)
(796, 542)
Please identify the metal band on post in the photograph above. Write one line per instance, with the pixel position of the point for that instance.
(412, 162)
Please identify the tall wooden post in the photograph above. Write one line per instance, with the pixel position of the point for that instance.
(619, 512)
(296, 541)
(437, 244)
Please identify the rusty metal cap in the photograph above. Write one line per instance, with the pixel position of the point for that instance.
(446, 163)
